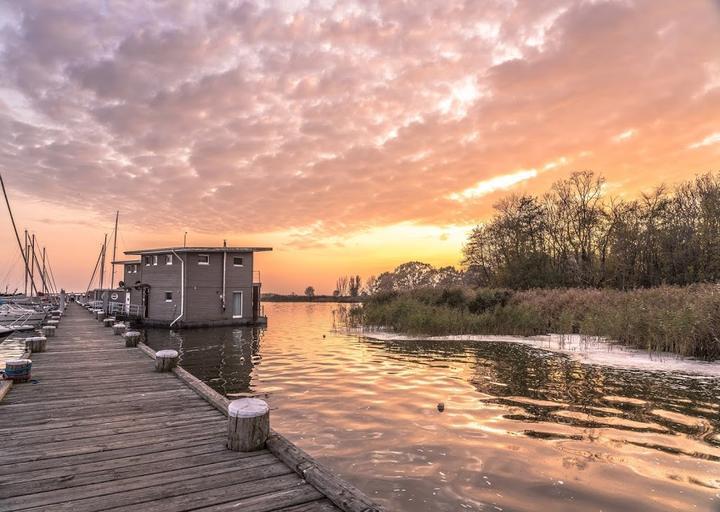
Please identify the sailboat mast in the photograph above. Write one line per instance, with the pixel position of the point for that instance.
(44, 273)
(32, 264)
(102, 263)
(12, 219)
(27, 249)
(112, 280)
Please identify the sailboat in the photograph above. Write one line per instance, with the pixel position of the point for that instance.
(26, 312)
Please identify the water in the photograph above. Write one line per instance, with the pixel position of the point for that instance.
(522, 429)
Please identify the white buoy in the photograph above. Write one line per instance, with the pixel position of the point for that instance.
(248, 424)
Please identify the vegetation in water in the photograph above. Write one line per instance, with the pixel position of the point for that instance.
(683, 320)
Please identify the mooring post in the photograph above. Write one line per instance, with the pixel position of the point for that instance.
(119, 329)
(18, 370)
(48, 330)
(100, 315)
(36, 344)
(248, 424)
(166, 360)
(52, 322)
(108, 322)
(131, 338)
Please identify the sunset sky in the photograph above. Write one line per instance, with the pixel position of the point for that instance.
(350, 136)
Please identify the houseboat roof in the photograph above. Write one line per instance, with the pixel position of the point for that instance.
(198, 249)
(125, 262)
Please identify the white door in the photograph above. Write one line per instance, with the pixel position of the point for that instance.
(237, 304)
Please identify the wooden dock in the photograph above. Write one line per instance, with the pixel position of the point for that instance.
(101, 430)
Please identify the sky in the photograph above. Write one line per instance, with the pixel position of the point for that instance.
(351, 136)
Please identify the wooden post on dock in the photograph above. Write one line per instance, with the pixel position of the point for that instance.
(131, 339)
(18, 370)
(100, 315)
(108, 322)
(248, 424)
(49, 331)
(36, 344)
(166, 360)
(119, 329)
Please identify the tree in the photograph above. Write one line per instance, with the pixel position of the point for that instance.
(341, 285)
(354, 286)
(576, 236)
(310, 292)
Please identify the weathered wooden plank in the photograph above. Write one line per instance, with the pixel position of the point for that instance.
(68, 480)
(48, 393)
(89, 458)
(42, 416)
(215, 495)
(168, 394)
(300, 495)
(71, 472)
(119, 485)
(265, 478)
(127, 427)
(74, 422)
(116, 442)
(323, 505)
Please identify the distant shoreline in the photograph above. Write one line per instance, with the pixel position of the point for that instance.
(274, 297)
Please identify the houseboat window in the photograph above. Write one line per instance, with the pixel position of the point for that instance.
(168, 296)
(237, 261)
(203, 259)
(132, 269)
(147, 260)
(155, 259)
(168, 259)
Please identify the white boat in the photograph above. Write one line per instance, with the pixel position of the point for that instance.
(11, 314)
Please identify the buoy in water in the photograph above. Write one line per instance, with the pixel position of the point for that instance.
(441, 407)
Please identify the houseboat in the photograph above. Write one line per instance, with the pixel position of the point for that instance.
(193, 286)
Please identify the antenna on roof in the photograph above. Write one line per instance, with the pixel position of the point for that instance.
(224, 243)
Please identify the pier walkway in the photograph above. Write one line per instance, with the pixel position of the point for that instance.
(101, 430)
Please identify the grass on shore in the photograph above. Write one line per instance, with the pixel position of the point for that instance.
(682, 320)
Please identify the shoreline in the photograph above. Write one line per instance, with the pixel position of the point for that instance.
(584, 349)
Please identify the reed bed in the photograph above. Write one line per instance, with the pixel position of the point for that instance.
(683, 320)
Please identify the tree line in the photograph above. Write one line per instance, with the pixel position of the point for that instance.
(576, 235)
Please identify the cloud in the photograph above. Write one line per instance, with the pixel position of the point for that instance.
(486, 187)
(707, 141)
(251, 117)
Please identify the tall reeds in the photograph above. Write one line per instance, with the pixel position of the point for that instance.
(683, 320)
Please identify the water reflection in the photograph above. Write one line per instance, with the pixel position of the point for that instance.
(224, 357)
(522, 429)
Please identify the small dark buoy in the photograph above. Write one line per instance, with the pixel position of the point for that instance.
(323, 335)
(441, 407)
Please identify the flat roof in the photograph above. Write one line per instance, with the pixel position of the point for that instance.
(125, 262)
(198, 249)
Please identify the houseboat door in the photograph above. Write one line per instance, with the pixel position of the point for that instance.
(237, 304)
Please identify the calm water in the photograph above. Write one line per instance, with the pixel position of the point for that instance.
(522, 429)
